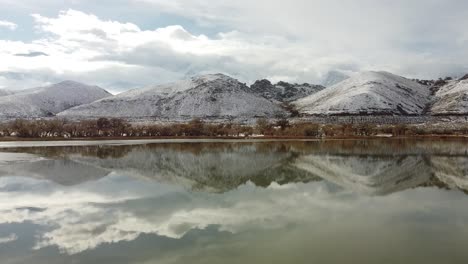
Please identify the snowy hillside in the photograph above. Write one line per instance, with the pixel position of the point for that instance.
(208, 96)
(379, 93)
(48, 100)
(451, 99)
(5, 92)
(283, 91)
(333, 77)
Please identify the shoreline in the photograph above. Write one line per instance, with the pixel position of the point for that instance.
(289, 138)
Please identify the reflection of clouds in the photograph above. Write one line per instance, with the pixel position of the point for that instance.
(8, 239)
(77, 225)
(78, 216)
(115, 208)
(83, 227)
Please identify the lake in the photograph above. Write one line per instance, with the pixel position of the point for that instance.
(342, 201)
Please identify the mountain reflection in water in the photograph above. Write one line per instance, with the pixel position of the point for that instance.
(163, 202)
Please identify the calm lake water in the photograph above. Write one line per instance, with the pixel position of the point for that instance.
(374, 201)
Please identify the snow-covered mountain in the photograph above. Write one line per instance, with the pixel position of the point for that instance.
(366, 93)
(215, 96)
(333, 77)
(220, 97)
(5, 92)
(283, 91)
(48, 100)
(452, 98)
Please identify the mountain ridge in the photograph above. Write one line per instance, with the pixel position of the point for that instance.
(452, 98)
(284, 92)
(205, 96)
(48, 100)
(368, 93)
(218, 96)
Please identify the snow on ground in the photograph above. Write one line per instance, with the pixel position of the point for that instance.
(220, 97)
(213, 95)
(451, 99)
(48, 100)
(368, 93)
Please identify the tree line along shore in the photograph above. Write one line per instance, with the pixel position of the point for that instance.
(280, 128)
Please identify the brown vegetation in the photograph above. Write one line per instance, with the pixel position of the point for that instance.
(103, 127)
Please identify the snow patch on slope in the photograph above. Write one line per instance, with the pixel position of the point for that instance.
(5, 92)
(451, 99)
(207, 96)
(48, 100)
(368, 93)
(333, 77)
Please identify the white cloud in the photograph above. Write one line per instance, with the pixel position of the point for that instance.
(81, 45)
(397, 36)
(295, 41)
(8, 25)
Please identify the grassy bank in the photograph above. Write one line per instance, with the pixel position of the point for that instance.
(112, 129)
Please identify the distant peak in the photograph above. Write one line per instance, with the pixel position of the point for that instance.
(333, 77)
(69, 82)
(75, 86)
(262, 82)
(375, 75)
(465, 77)
(217, 75)
(212, 77)
(220, 74)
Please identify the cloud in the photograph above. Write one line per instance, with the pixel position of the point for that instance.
(390, 35)
(8, 25)
(83, 46)
(296, 41)
(32, 54)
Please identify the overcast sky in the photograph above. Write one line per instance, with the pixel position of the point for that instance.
(122, 44)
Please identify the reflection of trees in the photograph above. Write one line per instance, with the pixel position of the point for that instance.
(384, 147)
(96, 151)
(216, 167)
(375, 166)
(206, 166)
